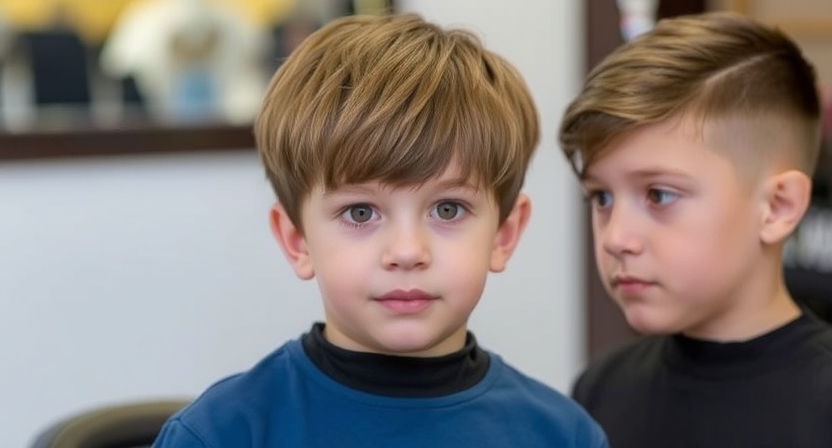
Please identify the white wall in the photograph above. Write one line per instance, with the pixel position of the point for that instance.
(131, 277)
(135, 277)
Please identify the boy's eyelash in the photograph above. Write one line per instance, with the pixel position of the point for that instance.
(667, 193)
(591, 195)
(462, 204)
(339, 214)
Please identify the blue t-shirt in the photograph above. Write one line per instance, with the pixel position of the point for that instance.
(286, 401)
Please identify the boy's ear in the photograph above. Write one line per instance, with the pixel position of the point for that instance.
(291, 241)
(787, 196)
(509, 233)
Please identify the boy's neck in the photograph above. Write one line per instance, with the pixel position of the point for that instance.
(748, 322)
(763, 305)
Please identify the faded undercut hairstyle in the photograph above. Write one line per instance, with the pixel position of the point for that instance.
(709, 67)
(394, 99)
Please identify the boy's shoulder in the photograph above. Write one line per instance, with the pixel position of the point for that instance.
(285, 393)
(818, 346)
(802, 348)
(532, 400)
(517, 385)
(229, 408)
(661, 390)
(632, 363)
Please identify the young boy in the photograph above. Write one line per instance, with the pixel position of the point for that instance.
(695, 144)
(397, 151)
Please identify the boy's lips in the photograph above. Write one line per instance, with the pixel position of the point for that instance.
(630, 285)
(406, 301)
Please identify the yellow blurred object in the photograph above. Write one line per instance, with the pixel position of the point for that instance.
(262, 12)
(371, 6)
(93, 19)
(27, 14)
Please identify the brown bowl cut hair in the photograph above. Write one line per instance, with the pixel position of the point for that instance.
(397, 100)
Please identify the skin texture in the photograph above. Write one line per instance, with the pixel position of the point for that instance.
(400, 269)
(686, 243)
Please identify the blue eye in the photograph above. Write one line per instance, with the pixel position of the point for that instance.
(448, 211)
(661, 197)
(600, 199)
(358, 214)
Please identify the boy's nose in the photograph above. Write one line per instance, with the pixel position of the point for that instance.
(406, 248)
(619, 234)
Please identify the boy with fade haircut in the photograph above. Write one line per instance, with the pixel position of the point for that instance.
(695, 144)
(397, 150)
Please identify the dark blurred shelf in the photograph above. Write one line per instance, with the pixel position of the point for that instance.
(134, 140)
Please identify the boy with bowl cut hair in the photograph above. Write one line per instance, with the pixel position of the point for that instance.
(695, 144)
(397, 151)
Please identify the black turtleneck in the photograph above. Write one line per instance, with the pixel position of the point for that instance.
(775, 350)
(679, 392)
(398, 376)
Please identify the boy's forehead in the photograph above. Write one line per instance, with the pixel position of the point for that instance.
(648, 150)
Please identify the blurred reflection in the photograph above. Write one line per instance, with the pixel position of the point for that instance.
(193, 60)
(69, 64)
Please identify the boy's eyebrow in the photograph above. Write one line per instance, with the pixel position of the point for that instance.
(585, 176)
(659, 172)
(459, 183)
(644, 173)
(348, 189)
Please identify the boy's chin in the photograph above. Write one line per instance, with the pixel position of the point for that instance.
(652, 322)
(420, 344)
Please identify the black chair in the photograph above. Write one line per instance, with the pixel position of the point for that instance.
(811, 289)
(129, 425)
(807, 273)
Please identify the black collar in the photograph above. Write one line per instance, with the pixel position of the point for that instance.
(741, 360)
(398, 376)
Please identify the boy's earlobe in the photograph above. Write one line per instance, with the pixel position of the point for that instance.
(291, 241)
(509, 233)
(787, 199)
